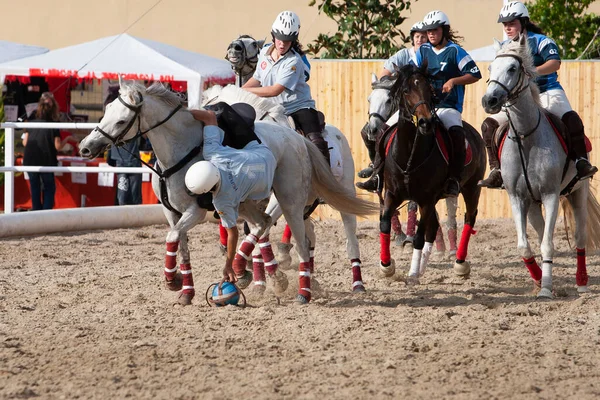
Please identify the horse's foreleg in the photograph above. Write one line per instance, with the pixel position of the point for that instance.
(551, 203)
(294, 216)
(284, 247)
(390, 203)
(471, 194)
(451, 207)
(353, 251)
(423, 243)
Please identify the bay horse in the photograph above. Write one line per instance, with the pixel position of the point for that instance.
(535, 166)
(301, 176)
(416, 169)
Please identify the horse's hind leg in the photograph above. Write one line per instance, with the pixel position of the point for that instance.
(579, 202)
(536, 219)
(353, 251)
(451, 207)
(295, 219)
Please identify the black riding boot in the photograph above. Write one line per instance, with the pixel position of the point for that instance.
(457, 161)
(494, 180)
(317, 139)
(374, 183)
(579, 153)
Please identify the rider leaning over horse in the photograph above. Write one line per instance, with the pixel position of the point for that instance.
(515, 18)
(450, 68)
(281, 74)
(231, 175)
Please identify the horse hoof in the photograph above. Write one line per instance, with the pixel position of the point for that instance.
(245, 280)
(583, 289)
(301, 299)
(413, 281)
(388, 271)
(176, 283)
(280, 282)
(462, 269)
(358, 287)
(400, 239)
(185, 298)
(451, 254)
(408, 247)
(258, 290)
(283, 255)
(545, 293)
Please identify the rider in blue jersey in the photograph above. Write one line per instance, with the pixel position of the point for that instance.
(281, 74)
(515, 18)
(450, 68)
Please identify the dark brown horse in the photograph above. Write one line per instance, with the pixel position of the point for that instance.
(416, 168)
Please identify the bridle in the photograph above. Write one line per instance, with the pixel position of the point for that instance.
(408, 112)
(519, 87)
(249, 64)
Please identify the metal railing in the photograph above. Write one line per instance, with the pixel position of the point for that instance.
(9, 168)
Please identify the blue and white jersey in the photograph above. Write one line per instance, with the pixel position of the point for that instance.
(400, 59)
(289, 71)
(442, 65)
(543, 49)
(245, 174)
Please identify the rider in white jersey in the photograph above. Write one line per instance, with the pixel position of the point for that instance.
(281, 74)
(515, 18)
(232, 176)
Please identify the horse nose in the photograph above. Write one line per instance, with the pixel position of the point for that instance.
(237, 47)
(84, 152)
(490, 101)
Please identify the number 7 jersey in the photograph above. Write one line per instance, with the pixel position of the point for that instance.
(442, 65)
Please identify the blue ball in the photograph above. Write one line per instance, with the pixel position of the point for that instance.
(228, 295)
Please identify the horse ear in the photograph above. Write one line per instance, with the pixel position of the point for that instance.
(373, 78)
(424, 65)
(120, 80)
(261, 43)
(497, 45)
(522, 40)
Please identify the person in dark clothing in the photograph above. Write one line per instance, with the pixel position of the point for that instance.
(41, 146)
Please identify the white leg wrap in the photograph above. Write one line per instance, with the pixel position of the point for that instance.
(425, 257)
(170, 270)
(262, 283)
(547, 275)
(415, 264)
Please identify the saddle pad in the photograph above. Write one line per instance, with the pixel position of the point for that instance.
(444, 150)
(335, 155)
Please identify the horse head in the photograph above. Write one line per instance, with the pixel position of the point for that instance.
(242, 53)
(511, 72)
(413, 96)
(380, 103)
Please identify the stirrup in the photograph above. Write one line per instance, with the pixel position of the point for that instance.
(493, 181)
(372, 185)
(587, 170)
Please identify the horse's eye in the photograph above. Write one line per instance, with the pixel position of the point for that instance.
(254, 44)
(490, 68)
(120, 122)
(512, 69)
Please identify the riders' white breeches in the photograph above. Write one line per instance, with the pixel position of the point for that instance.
(554, 101)
(449, 117)
(393, 119)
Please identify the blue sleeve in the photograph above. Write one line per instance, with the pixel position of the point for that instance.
(307, 69)
(419, 56)
(465, 63)
(213, 139)
(289, 74)
(548, 49)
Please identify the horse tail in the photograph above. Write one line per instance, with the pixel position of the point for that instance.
(593, 221)
(329, 189)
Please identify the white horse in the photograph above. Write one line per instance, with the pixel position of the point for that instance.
(342, 165)
(242, 54)
(380, 112)
(535, 168)
(301, 176)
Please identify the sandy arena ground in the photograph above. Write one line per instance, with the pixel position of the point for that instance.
(85, 315)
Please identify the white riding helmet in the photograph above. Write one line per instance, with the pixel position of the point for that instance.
(202, 177)
(418, 27)
(286, 26)
(435, 19)
(512, 11)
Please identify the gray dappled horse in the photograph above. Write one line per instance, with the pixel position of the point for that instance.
(535, 168)
(242, 54)
(301, 176)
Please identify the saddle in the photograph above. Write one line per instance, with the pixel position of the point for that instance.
(559, 129)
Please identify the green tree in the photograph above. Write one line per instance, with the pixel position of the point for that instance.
(567, 23)
(366, 28)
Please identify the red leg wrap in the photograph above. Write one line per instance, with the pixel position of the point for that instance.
(243, 255)
(188, 279)
(396, 225)
(287, 234)
(468, 230)
(452, 238)
(267, 254)
(356, 275)
(223, 235)
(534, 269)
(581, 277)
(258, 269)
(304, 286)
(439, 240)
(171, 260)
(384, 241)
(411, 222)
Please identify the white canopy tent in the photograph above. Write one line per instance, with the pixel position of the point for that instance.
(487, 53)
(129, 57)
(12, 51)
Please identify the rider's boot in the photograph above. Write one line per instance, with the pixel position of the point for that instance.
(370, 145)
(457, 161)
(575, 127)
(494, 180)
(317, 139)
(374, 183)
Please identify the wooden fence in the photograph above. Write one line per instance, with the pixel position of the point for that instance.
(341, 88)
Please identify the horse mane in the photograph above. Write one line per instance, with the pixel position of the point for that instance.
(386, 82)
(233, 94)
(157, 90)
(515, 47)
